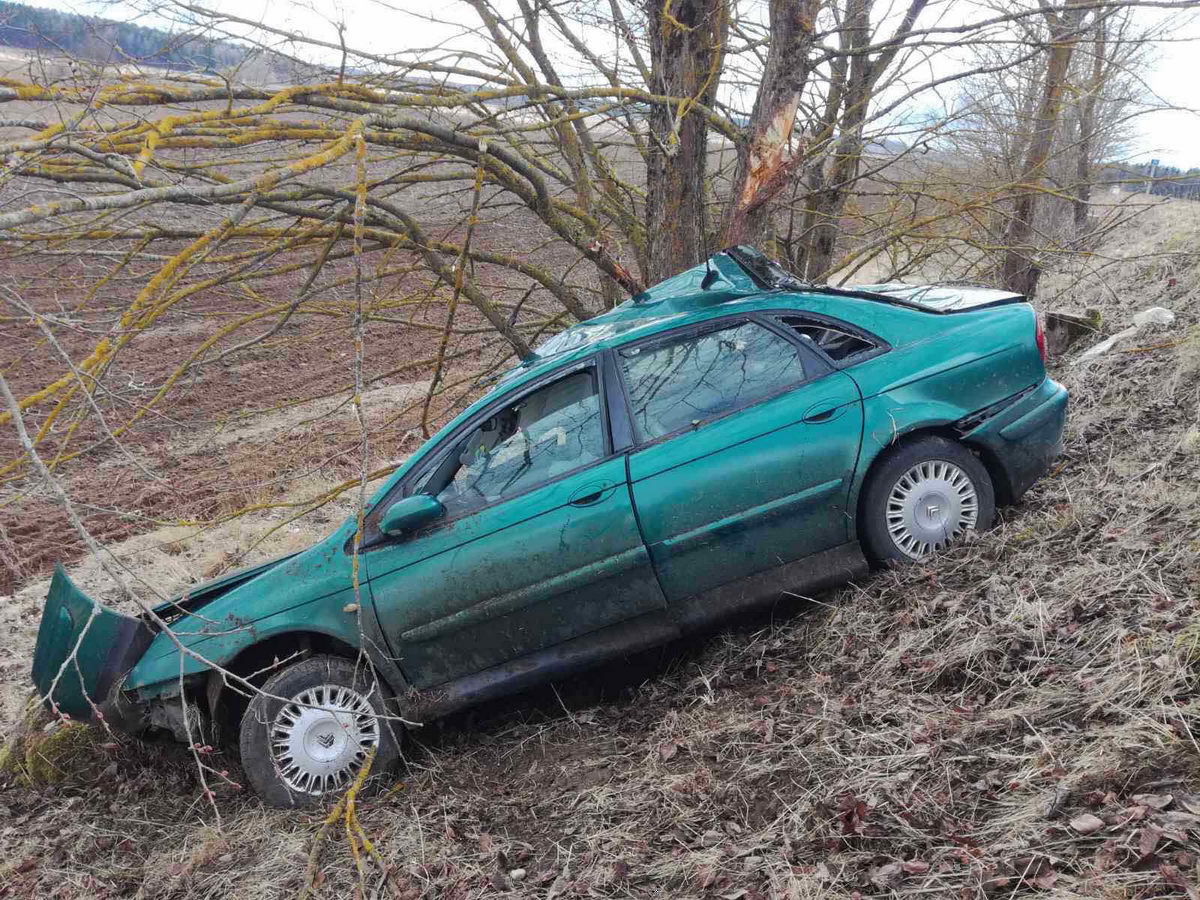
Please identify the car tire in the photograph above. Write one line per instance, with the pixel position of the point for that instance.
(305, 737)
(920, 497)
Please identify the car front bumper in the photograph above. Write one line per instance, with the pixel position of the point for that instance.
(83, 652)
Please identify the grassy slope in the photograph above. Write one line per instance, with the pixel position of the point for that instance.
(932, 732)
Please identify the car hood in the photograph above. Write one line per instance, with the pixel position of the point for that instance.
(201, 594)
(223, 616)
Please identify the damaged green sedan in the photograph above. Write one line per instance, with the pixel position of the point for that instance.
(724, 437)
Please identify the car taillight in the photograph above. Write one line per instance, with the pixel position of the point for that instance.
(1040, 336)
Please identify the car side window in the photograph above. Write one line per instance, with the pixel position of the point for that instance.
(837, 343)
(703, 376)
(546, 433)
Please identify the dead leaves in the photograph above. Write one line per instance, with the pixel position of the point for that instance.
(1153, 801)
(765, 729)
(1087, 823)
(1150, 832)
(890, 875)
(1035, 871)
(852, 812)
(1174, 879)
(1148, 840)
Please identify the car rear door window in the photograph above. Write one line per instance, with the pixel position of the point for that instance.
(704, 376)
(839, 344)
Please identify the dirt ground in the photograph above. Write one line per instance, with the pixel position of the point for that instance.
(1019, 716)
(272, 431)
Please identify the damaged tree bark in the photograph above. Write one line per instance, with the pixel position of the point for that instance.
(765, 158)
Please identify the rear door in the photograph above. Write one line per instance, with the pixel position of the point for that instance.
(539, 543)
(747, 447)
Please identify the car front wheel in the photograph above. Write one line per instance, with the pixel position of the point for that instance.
(922, 497)
(308, 734)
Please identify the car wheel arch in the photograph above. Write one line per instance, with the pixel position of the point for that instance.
(920, 445)
(994, 467)
(257, 662)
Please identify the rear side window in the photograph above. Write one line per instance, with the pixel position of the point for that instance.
(700, 377)
(837, 343)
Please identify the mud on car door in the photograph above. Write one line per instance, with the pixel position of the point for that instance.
(538, 543)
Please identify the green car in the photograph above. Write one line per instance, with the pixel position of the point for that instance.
(724, 437)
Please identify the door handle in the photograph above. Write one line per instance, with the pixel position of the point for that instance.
(591, 493)
(825, 411)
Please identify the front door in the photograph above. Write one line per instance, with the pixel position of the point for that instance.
(539, 543)
(749, 444)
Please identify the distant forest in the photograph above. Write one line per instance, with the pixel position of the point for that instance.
(1163, 181)
(103, 40)
(1170, 181)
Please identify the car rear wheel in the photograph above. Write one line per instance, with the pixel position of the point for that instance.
(308, 734)
(923, 496)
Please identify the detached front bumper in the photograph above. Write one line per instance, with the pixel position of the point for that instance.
(83, 651)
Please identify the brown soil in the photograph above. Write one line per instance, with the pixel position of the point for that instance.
(201, 472)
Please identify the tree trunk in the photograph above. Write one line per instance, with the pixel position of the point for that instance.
(826, 203)
(1019, 271)
(800, 245)
(686, 48)
(765, 158)
(854, 88)
(1087, 131)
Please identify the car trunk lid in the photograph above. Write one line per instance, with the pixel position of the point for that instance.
(943, 298)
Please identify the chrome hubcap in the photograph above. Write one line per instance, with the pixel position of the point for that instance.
(321, 738)
(930, 505)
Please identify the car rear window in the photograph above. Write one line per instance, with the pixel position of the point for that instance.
(703, 376)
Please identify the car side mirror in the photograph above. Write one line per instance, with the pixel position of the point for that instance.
(410, 513)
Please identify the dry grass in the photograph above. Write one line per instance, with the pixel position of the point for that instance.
(1020, 716)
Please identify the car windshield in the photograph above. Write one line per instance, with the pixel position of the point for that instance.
(582, 336)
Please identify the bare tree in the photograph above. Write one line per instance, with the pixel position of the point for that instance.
(852, 90)
(1107, 94)
(1019, 272)
(687, 43)
(1037, 120)
(1087, 126)
(548, 161)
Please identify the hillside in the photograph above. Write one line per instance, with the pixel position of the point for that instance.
(1018, 716)
(104, 40)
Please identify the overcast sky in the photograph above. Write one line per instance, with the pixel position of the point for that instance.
(381, 26)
